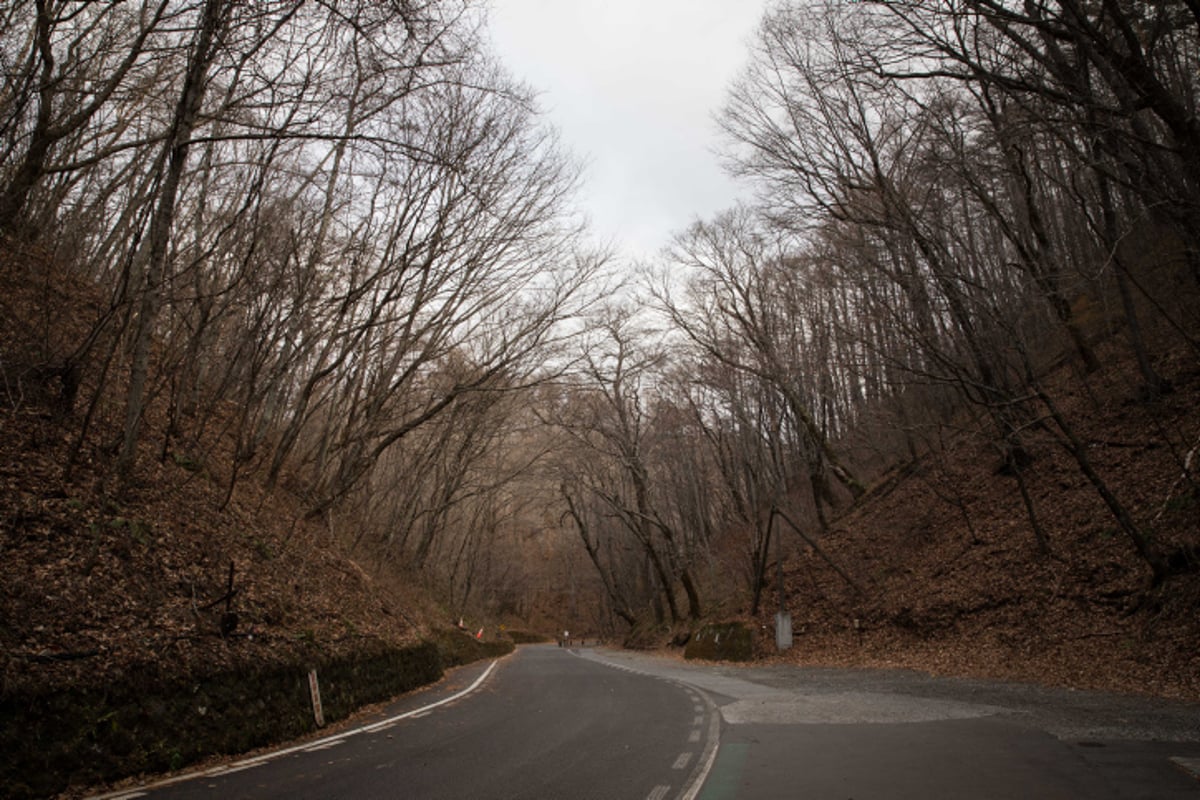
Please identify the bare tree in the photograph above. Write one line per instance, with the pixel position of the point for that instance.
(942, 164)
(736, 312)
(64, 63)
(614, 418)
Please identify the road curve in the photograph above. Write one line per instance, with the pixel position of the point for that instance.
(545, 724)
(830, 734)
(616, 725)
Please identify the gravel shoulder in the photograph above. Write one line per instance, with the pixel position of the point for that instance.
(785, 693)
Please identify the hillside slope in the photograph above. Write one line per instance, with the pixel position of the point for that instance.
(165, 575)
(952, 579)
(149, 623)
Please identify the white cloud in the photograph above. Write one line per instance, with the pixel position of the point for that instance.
(632, 85)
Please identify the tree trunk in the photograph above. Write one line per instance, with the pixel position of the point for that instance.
(187, 113)
(1145, 548)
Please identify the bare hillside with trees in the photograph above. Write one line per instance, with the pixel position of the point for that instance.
(311, 275)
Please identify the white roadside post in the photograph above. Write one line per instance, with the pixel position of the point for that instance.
(783, 630)
(314, 691)
(783, 619)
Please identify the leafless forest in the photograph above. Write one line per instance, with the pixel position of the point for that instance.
(329, 249)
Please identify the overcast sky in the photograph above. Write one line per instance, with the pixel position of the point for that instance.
(632, 85)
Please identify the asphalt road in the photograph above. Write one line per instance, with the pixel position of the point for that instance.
(825, 734)
(544, 724)
(589, 723)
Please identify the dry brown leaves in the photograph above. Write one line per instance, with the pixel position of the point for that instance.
(987, 603)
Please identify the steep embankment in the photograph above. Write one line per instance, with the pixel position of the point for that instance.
(144, 626)
(953, 580)
(172, 570)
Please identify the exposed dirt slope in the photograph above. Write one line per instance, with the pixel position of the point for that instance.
(955, 584)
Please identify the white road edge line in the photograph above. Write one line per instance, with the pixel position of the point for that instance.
(325, 746)
(231, 770)
(253, 762)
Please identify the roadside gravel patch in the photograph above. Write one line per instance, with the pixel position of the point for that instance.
(848, 708)
(792, 694)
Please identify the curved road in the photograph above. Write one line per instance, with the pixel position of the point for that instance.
(555, 723)
(544, 724)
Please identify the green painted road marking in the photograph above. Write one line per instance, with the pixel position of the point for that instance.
(726, 775)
